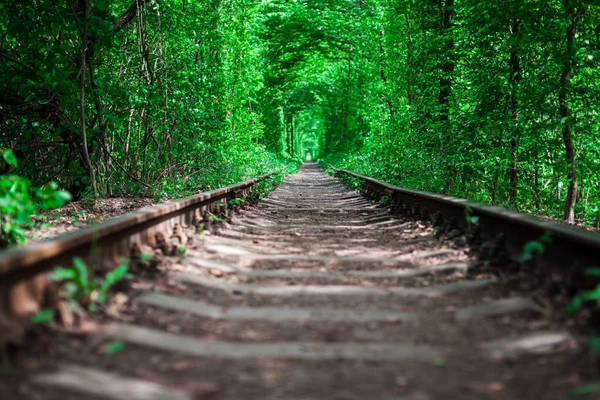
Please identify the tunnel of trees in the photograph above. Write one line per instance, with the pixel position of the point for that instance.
(494, 101)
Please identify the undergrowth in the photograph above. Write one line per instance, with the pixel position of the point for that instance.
(21, 201)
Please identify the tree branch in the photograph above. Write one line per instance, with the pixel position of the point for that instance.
(129, 15)
(9, 58)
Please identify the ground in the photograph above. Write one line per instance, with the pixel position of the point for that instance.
(314, 293)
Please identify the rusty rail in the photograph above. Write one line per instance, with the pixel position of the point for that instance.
(21, 280)
(570, 248)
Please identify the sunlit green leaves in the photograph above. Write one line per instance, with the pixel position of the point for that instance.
(20, 202)
(10, 157)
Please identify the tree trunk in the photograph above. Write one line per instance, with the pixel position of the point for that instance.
(447, 69)
(515, 78)
(84, 49)
(382, 66)
(447, 65)
(572, 14)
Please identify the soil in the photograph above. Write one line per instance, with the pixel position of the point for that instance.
(79, 214)
(312, 223)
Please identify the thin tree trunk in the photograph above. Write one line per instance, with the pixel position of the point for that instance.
(447, 65)
(447, 69)
(84, 48)
(409, 62)
(382, 66)
(572, 13)
(515, 78)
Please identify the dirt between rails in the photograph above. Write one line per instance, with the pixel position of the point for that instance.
(464, 371)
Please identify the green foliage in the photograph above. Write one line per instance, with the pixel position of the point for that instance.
(81, 287)
(236, 202)
(450, 97)
(114, 348)
(586, 389)
(172, 97)
(586, 295)
(20, 201)
(215, 218)
(265, 187)
(10, 158)
(535, 247)
(144, 257)
(595, 344)
(44, 317)
(470, 218)
(468, 108)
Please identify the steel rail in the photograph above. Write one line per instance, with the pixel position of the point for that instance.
(570, 247)
(102, 244)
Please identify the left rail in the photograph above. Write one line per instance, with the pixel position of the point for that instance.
(103, 244)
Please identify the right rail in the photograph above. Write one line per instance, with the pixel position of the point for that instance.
(571, 248)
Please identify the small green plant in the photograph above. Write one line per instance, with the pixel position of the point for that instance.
(80, 288)
(470, 218)
(144, 257)
(586, 295)
(236, 202)
(384, 199)
(586, 389)
(215, 218)
(114, 348)
(44, 317)
(535, 247)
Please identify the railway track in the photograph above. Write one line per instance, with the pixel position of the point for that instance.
(315, 293)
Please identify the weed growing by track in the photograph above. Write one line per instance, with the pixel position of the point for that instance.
(81, 288)
(20, 201)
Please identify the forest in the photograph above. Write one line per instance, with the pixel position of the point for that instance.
(493, 101)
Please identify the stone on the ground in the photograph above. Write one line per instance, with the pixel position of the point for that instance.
(533, 343)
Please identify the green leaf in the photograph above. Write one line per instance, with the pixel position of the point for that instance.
(62, 197)
(63, 274)
(145, 257)
(531, 248)
(112, 277)
(593, 271)
(10, 158)
(82, 272)
(595, 343)
(586, 389)
(114, 348)
(546, 237)
(439, 362)
(575, 305)
(44, 317)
